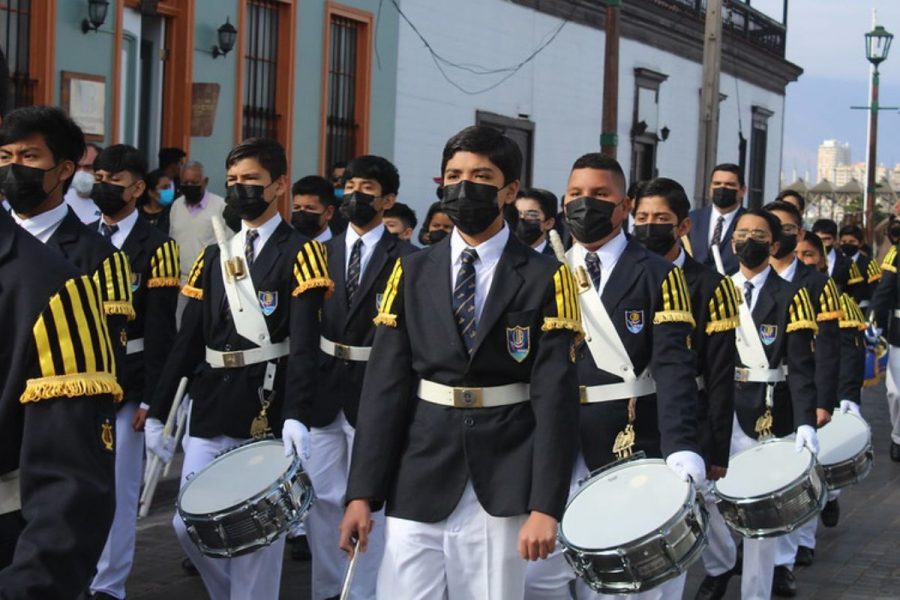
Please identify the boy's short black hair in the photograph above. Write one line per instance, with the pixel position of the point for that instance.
(729, 168)
(826, 226)
(785, 194)
(313, 185)
(268, 153)
(122, 157)
(544, 198)
(404, 213)
(786, 207)
(601, 162)
(772, 221)
(169, 156)
(374, 167)
(668, 189)
(854, 230)
(62, 135)
(489, 142)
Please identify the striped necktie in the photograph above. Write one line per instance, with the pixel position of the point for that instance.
(717, 232)
(249, 252)
(594, 268)
(354, 268)
(748, 293)
(464, 298)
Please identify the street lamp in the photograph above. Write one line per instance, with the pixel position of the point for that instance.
(878, 44)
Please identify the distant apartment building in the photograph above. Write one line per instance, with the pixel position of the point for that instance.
(833, 155)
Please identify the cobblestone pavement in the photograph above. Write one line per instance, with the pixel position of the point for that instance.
(858, 559)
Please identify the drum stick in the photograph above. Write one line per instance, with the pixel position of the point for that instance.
(154, 465)
(179, 433)
(558, 249)
(348, 578)
(717, 257)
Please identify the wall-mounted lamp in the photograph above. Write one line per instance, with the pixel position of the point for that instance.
(664, 133)
(227, 38)
(96, 15)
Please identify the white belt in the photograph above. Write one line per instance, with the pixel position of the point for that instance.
(642, 386)
(474, 397)
(896, 312)
(134, 346)
(10, 500)
(748, 375)
(345, 352)
(242, 358)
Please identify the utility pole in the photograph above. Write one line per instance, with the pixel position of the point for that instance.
(708, 139)
(609, 138)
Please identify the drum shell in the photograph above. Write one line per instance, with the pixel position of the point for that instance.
(848, 472)
(648, 561)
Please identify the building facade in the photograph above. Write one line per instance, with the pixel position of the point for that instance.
(831, 155)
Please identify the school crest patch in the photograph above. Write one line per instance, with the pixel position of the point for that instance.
(768, 333)
(135, 282)
(634, 320)
(518, 342)
(268, 302)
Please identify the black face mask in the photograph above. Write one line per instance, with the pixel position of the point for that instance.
(23, 187)
(306, 223)
(358, 208)
(248, 200)
(751, 253)
(193, 194)
(656, 237)
(894, 231)
(849, 249)
(109, 197)
(724, 197)
(436, 236)
(787, 246)
(589, 219)
(528, 231)
(471, 206)
(232, 219)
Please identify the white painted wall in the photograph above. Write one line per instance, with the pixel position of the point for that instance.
(560, 91)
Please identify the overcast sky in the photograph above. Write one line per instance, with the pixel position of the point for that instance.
(825, 38)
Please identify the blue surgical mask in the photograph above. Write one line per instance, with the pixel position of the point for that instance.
(339, 193)
(167, 196)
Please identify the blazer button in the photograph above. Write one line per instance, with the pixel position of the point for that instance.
(227, 347)
(469, 421)
(226, 378)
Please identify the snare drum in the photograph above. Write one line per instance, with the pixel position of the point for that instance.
(845, 450)
(771, 489)
(245, 499)
(632, 527)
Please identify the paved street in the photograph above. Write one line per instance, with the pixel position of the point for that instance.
(859, 559)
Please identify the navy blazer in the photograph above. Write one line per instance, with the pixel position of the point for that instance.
(699, 237)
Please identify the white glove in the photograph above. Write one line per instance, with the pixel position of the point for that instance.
(295, 436)
(156, 442)
(806, 436)
(688, 465)
(849, 406)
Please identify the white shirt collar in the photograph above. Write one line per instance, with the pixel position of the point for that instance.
(790, 271)
(125, 227)
(325, 235)
(831, 259)
(610, 252)
(44, 225)
(679, 260)
(714, 215)
(489, 251)
(265, 231)
(369, 238)
(540, 247)
(758, 281)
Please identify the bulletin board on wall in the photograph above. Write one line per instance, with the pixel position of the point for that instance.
(83, 97)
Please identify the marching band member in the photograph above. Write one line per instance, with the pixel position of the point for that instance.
(841, 268)
(886, 311)
(360, 261)
(851, 240)
(467, 426)
(251, 369)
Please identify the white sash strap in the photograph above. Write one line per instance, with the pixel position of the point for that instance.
(134, 346)
(483, 397)
(345, 352)
(242, 358)
(10, 500)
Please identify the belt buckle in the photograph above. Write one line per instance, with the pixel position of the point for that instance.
(233, 360)
(582, 394)
(341, 351)
(741, 375)
(467, 397)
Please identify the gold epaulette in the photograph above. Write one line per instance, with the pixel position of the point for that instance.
(830, 303)
(165, 268)
(873, 271)
(113, 279)
(74, 352)
(854, 318)
(193, 288)
(311, 269)
(568, 309)
(802, 315)
(889, 259)
(855, 276)
(676, 300)
(723, 308)
(387, 315)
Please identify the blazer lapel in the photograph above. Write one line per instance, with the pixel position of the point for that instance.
(337, 259)
(623, 276)
(765, 301)
(269, 255)
(376, 263)
(440, 291)
(134, 245)
(505, 285)
(700, 237)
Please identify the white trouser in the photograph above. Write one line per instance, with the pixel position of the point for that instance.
(256, 575)
(470, 555)
(118, 553)
(328, 467)
(721, 553)
(893, 391)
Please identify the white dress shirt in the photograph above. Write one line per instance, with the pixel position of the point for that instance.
(831, 258)
(679, 260)
(540, 247)
(125, 227)
(369, 239)
(44, 225)
(325, 235)
(790, 272)
(489, 253)
(609, 254)
(714, 215)
(265, 231)
(84, 208)
(758, 281)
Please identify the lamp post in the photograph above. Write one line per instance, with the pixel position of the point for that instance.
(878, 44)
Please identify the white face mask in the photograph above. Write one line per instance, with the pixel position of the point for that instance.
(83, 182)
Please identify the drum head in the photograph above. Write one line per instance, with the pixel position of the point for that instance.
(844, 438)
(763, 469)
(235, 477)
(623, 505)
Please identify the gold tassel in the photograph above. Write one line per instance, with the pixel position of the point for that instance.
(851, 324)
(805, 324)
(192, 292)
(830, 315)
(674, 316)
(70, 386)
(319, 282)
(386, 319)
(119, 307)
(163, 282)
(722, 325)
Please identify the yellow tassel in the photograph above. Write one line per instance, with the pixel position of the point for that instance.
(319, 282)
(192, 292)
(119, 307)
(163, 282)
(551, 323)
(830, 315)
(386, 319)
(722, 325)
(674, 316)
(71, 386)
(805, 324)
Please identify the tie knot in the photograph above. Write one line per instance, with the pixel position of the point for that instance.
(108, 230)
(721, 219)
(592, 259)
(252, 234)
(468, 256)
(748, 286)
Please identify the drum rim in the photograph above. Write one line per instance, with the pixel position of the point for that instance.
(813, 461)
(685, 505)
(867, 448)
(287, 475)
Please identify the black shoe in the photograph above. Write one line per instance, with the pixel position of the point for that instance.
(300, 549)
(783, 583)
(831, 513)
(714, 586)
(895, 451)
(188, 567)
(804, 556)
